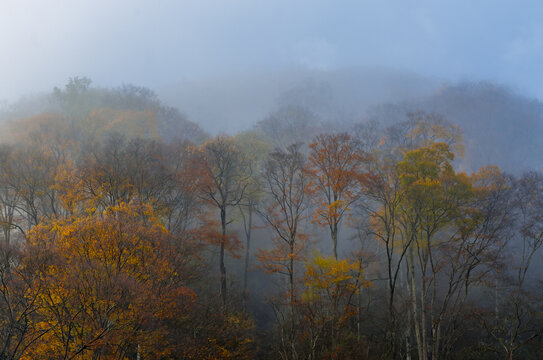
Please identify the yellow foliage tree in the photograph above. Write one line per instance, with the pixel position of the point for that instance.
(112, 277)
(327, 301)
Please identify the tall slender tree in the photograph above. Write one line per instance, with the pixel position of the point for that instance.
(224, 174)
(336, 169)
(286, 182)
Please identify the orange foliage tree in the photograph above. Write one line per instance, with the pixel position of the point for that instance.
(336, 169)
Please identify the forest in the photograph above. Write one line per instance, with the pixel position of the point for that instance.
(129, 232)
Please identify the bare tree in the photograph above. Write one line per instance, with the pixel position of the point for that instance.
(286, 181)
(225, 175)
(516, 320)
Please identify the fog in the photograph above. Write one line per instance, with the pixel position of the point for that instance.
(201, 44)
(226, 67)
(235, 102)
(229, 141)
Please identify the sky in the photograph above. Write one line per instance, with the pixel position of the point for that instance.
(156, 42)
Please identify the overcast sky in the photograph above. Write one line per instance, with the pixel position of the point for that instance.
(156, 42)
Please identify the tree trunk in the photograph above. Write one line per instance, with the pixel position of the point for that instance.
(391, 330)
(221, 259)
(413, 292)
(292, 299)
(248, 229)
(334, 231)
(423, 330)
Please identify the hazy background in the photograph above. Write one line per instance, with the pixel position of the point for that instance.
(228, 64)
(227, 53)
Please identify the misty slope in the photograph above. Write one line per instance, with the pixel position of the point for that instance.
(500, 127)
(234, 103)
(121, 109)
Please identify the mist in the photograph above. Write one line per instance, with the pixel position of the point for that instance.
(154, 45)
(228, 67)
(271, 179)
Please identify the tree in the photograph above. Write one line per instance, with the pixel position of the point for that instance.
(255, 150)
(113, 281)
(9, 196)
(31, 174)
(336, 170)
(20, 291)
(286, 182)
(383, 195)
(452, 240)
(288, 125)
(330, 285)
(516, 322)
(224, 175)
